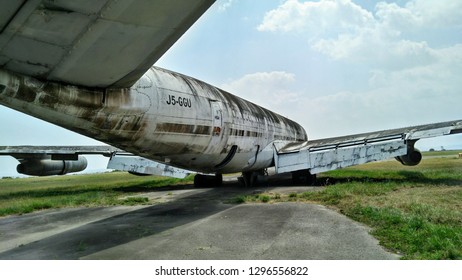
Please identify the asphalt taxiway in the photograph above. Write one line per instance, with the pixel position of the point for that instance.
(190, 223)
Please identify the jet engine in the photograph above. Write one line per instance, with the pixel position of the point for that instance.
(413, 157)
(48, 166)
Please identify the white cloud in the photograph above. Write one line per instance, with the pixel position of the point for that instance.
(341, 15)
(413, 62)
(224, 6)
(437, 13)
(398, 102)
(396, 18)
(295, 16)
(268, 89)
(342, 30)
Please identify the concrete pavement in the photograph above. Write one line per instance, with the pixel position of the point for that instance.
(190, 224)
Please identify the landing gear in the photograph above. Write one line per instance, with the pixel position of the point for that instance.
(253, 178)
(303, 177)
(207, 181)
(249, 179)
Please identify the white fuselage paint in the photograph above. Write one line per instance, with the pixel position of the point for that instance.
(165, 116)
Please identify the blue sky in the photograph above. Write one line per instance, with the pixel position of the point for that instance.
(336, 67)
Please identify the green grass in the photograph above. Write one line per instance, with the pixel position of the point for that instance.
(25, 195)
(414, 211)
(254, 198)
(442, 153)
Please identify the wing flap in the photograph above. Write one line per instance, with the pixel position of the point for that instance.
(141, 166)
(103, 43)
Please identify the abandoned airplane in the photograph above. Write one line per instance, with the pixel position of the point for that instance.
(60, 62)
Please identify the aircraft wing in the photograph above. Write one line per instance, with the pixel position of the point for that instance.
(93, 43)
(57, 152)
(60, 160)
(333, 153)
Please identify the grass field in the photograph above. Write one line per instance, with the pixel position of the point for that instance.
(414, 211)
(19, 196)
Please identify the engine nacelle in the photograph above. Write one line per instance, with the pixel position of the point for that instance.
(48, 167)
(413, 157)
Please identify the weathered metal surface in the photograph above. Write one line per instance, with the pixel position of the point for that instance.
(46, 166)
(59, 150)
(339, 152)
(142, 166)
(164, 117)
(96, 43)
(54, 160)
(406, 133)
(327, 159)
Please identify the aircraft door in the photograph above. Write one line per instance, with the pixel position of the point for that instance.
(217, 125)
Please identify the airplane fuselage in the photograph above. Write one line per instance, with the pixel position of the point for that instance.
(164, 116)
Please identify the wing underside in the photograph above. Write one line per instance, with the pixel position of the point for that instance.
(333, 153)
(93, 43)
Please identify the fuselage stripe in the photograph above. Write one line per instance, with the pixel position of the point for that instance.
(183, 128)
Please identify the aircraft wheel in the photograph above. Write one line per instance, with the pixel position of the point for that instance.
(250, 179)
(199, 181)
(218, 180)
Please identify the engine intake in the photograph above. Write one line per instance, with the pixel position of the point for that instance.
(48, 167)
(413, 157)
